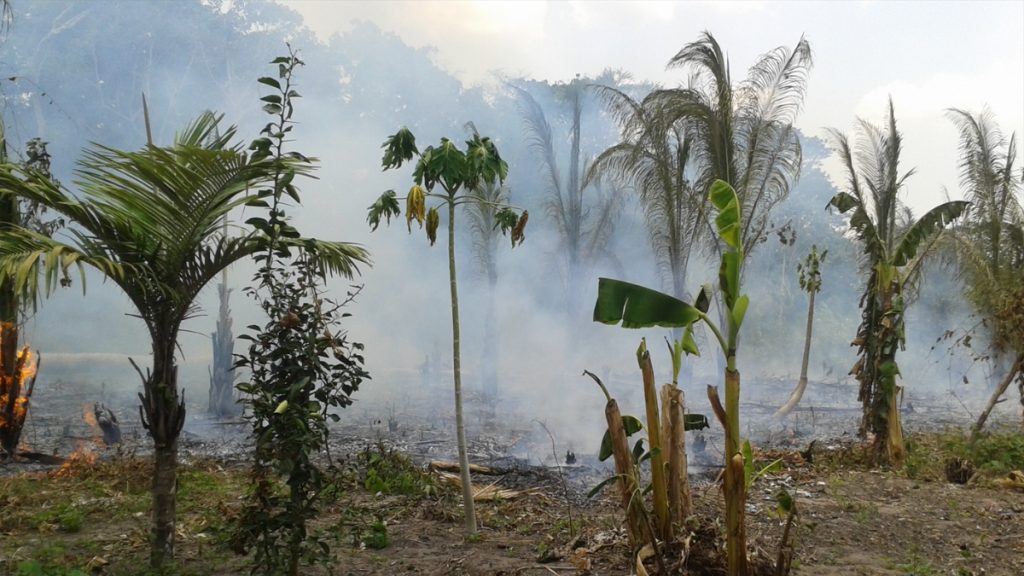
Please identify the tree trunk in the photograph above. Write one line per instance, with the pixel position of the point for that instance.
(798, 393)
(165, 494)
(163, 415)
(460, 426)
(1016, 367)
(222, 376)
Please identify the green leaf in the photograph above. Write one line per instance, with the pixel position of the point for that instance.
(729, 276)
(639, 307)
(933, 221)
(844, 202)
(631, 424)
(386, 206)
(601, 485)
(398, 148)
(785, 502)
(727, 223)
(739, 311)
(638, 452)
(273, 83)
(695, 422)
(689, 343)
(703, 301)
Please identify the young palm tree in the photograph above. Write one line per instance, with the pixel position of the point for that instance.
(991, 240)
(151, 222)
(893, 253)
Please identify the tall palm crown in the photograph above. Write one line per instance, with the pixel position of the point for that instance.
(992, 251)
(743, 135)
(653, 157)
(583, 210)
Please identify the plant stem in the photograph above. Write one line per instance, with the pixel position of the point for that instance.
(460, 426)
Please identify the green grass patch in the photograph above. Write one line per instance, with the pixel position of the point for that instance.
(992, 454)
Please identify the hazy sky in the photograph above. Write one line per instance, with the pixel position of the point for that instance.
(928, 55)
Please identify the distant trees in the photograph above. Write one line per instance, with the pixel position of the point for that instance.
(893, 252)
(582, 209)
(653, 158)
(483, 217)
(990, 241)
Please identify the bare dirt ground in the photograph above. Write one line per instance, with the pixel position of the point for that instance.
(852, 519)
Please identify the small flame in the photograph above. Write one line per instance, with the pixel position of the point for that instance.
(89, 415)
(83, 456)
(29, 366)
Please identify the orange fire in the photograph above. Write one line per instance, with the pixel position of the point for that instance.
(83, 456)
(15, 391)
(89, 415)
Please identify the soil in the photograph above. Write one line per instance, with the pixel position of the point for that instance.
(852, 520)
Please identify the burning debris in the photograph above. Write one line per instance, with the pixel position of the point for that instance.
(17, 379)
(107, 421)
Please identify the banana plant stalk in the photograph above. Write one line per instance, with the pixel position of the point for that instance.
(639, 307)
(661, 511)
(625, 470)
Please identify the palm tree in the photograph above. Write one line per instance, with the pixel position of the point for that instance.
(584, 225)
(990, 244)
(743, 135)
(653, 158)
(150, 221)
(483, 217)
(894, 252)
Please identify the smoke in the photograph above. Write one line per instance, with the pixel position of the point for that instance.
(358, 88)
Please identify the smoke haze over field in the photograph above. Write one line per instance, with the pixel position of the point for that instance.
(73, 73)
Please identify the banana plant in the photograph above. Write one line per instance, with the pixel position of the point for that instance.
(894, 252)
(635, 306)
(448, 174)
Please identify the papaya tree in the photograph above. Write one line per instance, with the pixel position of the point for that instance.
(894, 253)
(810, 281)
(635, 306)
(447, 174)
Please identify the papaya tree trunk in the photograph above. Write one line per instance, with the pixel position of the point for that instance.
(460, 425)
(801, 386)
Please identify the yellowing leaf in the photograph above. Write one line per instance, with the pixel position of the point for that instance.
(415, 206)
(433, 219)
(281, 407)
